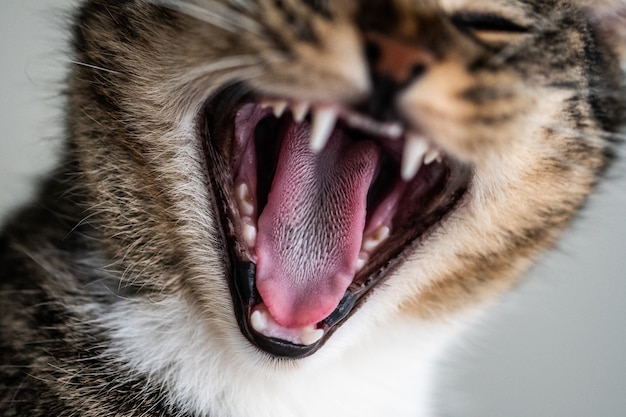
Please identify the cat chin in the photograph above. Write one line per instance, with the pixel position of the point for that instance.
(229, 377)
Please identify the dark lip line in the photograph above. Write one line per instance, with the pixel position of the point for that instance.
(241, 281)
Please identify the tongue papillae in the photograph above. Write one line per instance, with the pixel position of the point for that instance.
(311, 230)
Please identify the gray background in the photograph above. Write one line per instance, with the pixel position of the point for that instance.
(556, 347)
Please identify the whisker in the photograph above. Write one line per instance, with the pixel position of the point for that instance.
(84, 64)
(218, 15)
(244, 4)
(229, 62)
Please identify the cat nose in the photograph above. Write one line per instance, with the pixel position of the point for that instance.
(396, 60)
(394, 64)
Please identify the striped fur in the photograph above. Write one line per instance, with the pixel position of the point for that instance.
(115, 296)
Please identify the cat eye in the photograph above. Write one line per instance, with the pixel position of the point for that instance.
(483, 22)
(491, 30)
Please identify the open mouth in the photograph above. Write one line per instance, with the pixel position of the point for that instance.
(318, 204)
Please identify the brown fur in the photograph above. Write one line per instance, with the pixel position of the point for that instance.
(129, 212)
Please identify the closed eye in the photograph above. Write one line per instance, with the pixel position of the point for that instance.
(485, 22)
(490, 29)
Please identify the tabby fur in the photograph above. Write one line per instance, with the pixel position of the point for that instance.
(115, 301)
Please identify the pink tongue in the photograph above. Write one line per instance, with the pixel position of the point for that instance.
(311, 229)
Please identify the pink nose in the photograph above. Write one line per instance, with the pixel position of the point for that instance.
(395, 59)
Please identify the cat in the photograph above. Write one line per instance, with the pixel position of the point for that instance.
(291, 207)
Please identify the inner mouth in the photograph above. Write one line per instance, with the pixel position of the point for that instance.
(318, 205)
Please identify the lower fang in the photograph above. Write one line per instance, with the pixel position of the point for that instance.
(258, 321)
(311, 336)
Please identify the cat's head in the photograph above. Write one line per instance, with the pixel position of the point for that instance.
(298, 165)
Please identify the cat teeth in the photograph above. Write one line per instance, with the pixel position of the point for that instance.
(245, 202)
(259, 321)
(361, 261)
(432, 156)
(262, 322)
(373, 241)
(370, 244)
(300, 111)
(278, 107)
(323, 121)
(311, 336)
(415, 148)
(249, 232)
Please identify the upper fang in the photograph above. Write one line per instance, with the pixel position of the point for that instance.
(414, 150)
(323, 120)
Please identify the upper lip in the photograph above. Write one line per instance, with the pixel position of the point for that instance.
(446, 183)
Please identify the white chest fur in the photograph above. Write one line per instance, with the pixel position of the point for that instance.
(205, 373)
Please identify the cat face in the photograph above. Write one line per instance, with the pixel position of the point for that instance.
(296, 165)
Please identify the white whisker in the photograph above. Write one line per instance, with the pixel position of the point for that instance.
(84, 64)
(245, 4)
(215, 14)
(229, 62)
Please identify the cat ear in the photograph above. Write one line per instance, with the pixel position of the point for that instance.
(609, 17)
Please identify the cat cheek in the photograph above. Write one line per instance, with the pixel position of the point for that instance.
(433, 107)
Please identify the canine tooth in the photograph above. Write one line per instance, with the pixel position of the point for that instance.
(310, 336)
(300, 110)
(324, 120)
(249, 233)
(431, 156)
(379, 236)
(259, 321)
(414, 150)
(244, 200)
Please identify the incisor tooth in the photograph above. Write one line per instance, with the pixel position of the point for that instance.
(414, 150)
(258, 320)
(431, 156)
(244, 200)
(300, 110)
(278, 106)
(379, 236)
(310, 336)
(324, 120)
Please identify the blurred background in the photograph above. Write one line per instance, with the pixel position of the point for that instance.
(556, 347)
